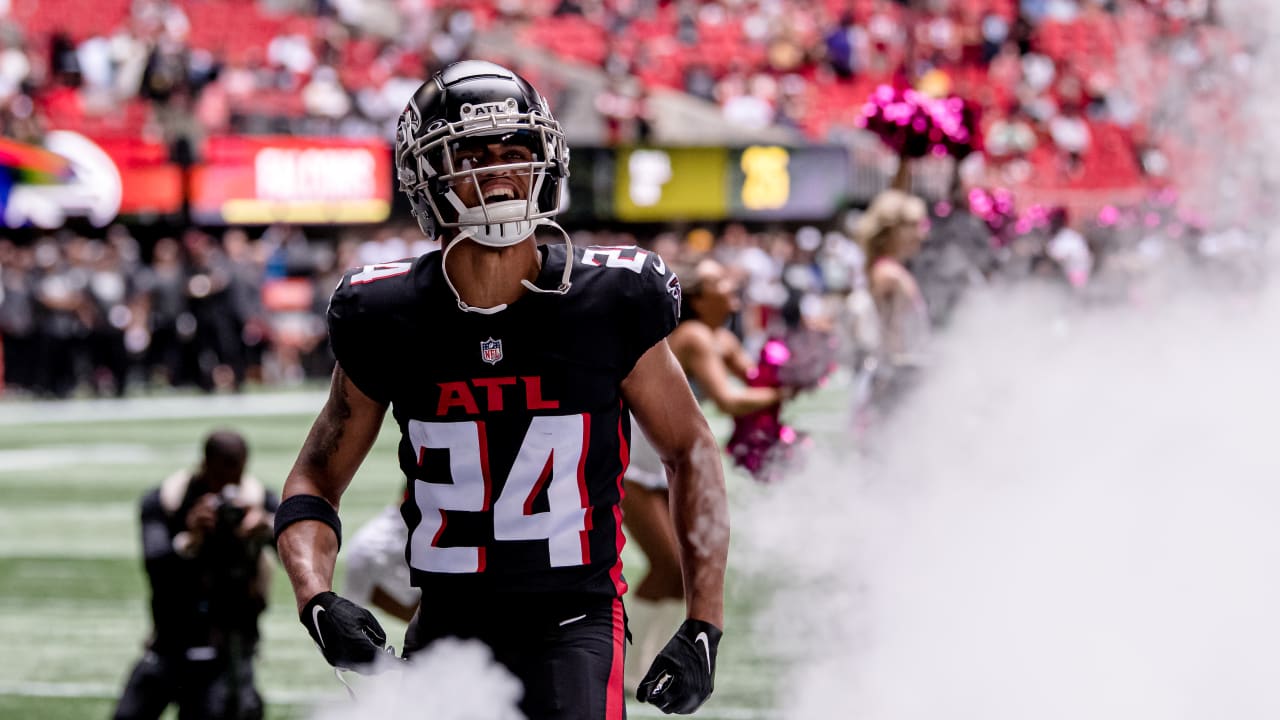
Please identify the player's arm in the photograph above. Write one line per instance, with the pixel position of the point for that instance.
(663, 404)
(682, 676)
(706, 366)
(307, 526)
(339, 440)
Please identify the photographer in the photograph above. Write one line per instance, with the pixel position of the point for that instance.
(203, 537)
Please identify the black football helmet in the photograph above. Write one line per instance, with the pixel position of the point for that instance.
(461, 104)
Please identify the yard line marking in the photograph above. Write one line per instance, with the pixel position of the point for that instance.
(53, 456)
(101, 691)
(49, 412)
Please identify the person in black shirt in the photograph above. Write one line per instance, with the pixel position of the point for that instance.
(511, 369)
(203, 537)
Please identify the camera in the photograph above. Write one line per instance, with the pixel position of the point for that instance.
(229, 513)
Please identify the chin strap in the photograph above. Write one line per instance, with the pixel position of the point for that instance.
(470, 231)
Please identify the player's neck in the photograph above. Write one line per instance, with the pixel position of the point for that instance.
(485, 276)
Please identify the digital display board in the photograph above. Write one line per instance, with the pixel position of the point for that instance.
(260, 180)
(660, 184)
(771, 182)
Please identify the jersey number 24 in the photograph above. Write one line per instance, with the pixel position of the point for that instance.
(552, 452)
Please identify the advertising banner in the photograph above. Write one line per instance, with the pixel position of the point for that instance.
(150, 185)
(256, 180)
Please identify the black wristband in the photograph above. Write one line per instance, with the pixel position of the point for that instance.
(307, 507)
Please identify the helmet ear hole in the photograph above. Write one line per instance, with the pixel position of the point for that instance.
(421, 211)
(428, 225)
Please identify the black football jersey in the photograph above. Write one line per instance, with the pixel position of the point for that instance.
(514, 432)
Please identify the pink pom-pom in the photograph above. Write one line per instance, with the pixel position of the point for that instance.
(776, 353)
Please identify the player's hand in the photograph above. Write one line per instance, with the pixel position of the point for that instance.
(348, 635)
(682, 676)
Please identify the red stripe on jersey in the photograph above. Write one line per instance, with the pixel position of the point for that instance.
(583, 498)
(624, 456)
(444, 520)
(488, 484)
(484, 471)
(615, 703)
(542, 481)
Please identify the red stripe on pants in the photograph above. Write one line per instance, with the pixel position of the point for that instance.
(615, 703)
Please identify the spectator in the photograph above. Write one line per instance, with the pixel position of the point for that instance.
(171, 325)
(842, 47)
(1069, 249)
(110, 294)
(18, 335)
(957, 254)
(219, 351)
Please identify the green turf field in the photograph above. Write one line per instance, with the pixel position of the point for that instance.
(73, 598)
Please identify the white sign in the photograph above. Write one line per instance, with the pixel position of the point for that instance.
(93, 191)
(314, 174)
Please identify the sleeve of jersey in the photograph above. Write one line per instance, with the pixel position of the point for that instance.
(653, 307)
(353, 337)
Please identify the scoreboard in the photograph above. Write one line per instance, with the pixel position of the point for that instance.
(325, 180)
(759, 182)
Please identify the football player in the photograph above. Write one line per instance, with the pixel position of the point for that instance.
(376, 572)
(510, 368)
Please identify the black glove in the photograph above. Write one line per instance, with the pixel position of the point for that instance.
(348, 635)
(682, 676)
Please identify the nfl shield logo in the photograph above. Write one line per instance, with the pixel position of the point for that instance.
(491, 351)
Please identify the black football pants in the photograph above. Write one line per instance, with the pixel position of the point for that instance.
(568, 654)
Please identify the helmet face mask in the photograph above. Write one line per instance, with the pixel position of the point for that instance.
(477, 128)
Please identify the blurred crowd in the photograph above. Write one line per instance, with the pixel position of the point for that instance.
(97, 315)
(214, 312)
(113, 315)
(1071, 87)
(1046, 73)
(179, 71)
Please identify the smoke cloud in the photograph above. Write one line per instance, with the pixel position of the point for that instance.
(1074, 517)
(450, 680)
